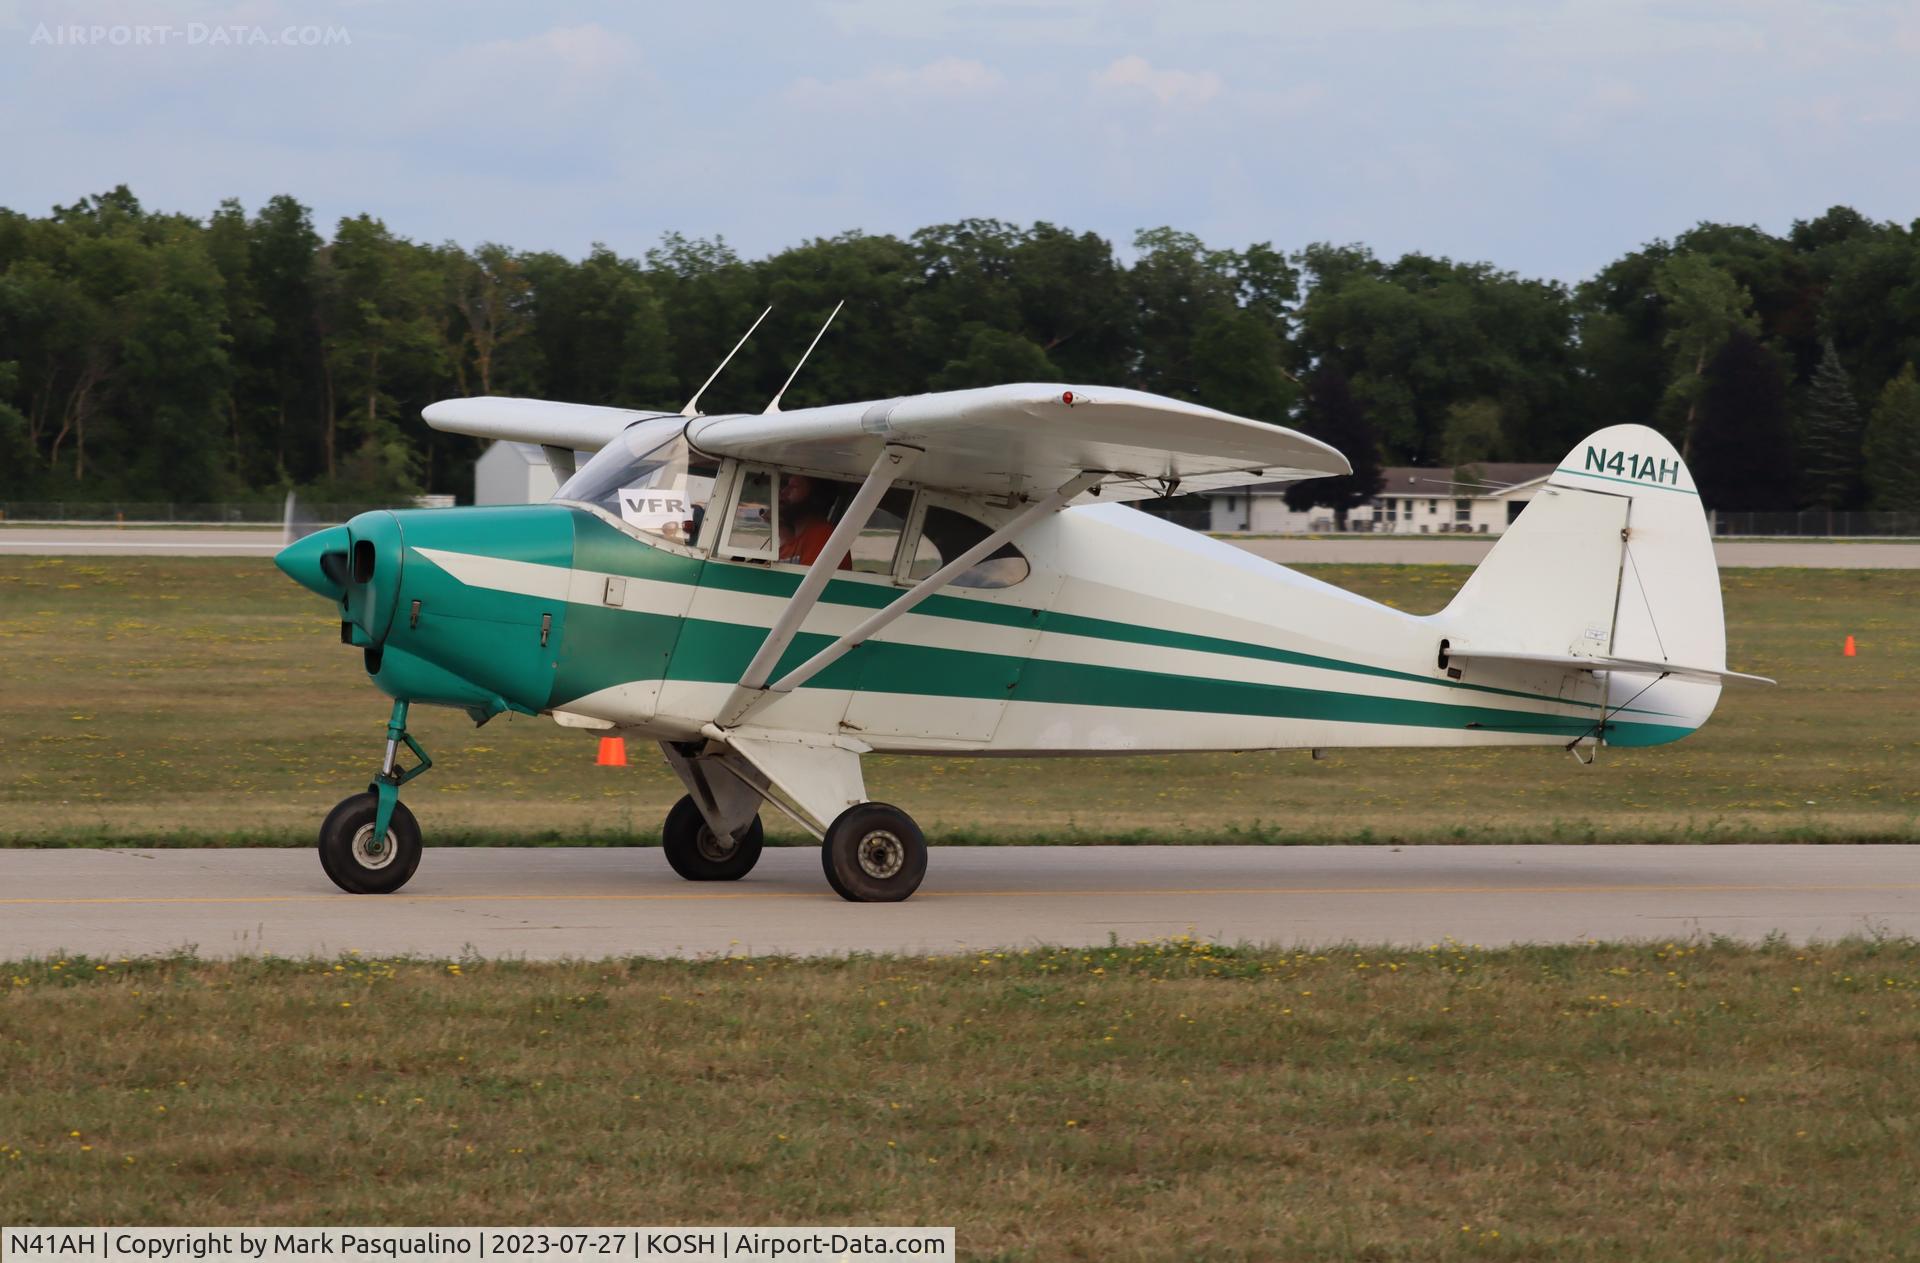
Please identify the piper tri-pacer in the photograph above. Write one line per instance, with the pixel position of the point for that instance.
(975, 584)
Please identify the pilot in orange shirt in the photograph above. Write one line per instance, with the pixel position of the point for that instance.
(804, 527)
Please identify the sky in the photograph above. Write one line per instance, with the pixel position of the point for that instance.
(1546, 137)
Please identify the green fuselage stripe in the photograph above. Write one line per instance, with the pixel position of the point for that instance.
(754, 580)
(713, 652)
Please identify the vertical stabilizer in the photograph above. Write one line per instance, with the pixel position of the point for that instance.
(1613, 558)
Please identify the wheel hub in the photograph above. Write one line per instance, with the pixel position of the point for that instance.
(714, 848)
(371, 854)
(881, 855)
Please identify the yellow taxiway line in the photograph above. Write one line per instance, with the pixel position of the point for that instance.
(1619, 889)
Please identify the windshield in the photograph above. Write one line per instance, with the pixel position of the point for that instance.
(647, 479)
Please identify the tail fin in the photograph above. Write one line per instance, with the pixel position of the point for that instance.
(1612, 559)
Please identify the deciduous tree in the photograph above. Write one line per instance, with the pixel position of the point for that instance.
(1336, 418)
(1743, 442)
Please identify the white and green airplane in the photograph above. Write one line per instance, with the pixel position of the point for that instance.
(771, 596)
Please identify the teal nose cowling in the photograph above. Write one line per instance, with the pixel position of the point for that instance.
(319, 563)
(451, 607)
(374, 567)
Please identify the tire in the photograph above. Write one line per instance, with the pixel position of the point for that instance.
(348, 858)
(874, 853)
(697, 855)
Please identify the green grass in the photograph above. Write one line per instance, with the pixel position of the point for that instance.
(159, 701)
(1165, 1101)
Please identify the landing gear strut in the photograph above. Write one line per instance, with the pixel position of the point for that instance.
(370, 842)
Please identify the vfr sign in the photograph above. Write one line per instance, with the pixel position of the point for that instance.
(662, 510)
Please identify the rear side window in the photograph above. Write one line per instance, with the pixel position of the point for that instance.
(946, 534)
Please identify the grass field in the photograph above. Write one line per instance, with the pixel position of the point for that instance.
(207, 701)
(1168, 1101)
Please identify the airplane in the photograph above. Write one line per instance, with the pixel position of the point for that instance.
(770, 596)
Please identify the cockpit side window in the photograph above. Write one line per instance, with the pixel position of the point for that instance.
(945, 534)
(649, 478)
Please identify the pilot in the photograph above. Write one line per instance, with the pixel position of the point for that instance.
(804, 525)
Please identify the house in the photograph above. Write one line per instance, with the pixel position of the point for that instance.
(1478, 499)
(513, 473)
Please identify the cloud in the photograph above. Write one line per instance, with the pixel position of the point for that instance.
(946, 78)
(1171, 88)
(1018, 21)
(565, 59)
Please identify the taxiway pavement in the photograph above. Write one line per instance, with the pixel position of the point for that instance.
(107, 541)
(592, 902)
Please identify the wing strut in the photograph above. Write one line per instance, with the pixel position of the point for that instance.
(894, 461)
(901, 604)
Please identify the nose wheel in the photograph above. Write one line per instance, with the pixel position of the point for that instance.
(357, 861)
(370, 842)
(874, 853)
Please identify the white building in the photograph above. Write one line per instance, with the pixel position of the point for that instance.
(513, 473)
(1476, 499)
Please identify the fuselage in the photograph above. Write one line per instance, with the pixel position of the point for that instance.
(1127, 635)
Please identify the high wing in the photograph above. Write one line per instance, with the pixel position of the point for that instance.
(1028, 438)
(569, 426)
(995, 440)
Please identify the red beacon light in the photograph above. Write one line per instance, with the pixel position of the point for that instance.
(1066, 397)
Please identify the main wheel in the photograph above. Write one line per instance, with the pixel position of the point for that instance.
(698, 855)
(874, 853)
(355, 861)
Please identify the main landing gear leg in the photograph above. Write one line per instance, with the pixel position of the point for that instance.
(370, 843)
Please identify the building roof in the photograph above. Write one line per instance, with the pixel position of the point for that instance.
(1482, 478)
(1485, 478)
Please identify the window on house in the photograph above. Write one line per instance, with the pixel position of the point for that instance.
(1463, 512)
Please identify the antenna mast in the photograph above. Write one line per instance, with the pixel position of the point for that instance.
(774, 405)
(691, 410)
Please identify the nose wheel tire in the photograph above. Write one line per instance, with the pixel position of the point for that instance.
(874, 853)
(698, 855)
(359, 863)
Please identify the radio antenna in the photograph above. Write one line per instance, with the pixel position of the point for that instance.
(774, 406)
(692, 409)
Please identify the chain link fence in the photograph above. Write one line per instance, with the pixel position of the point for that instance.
(1830, 523)
(176, 513)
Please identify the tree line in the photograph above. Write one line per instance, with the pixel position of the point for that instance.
(158, 356)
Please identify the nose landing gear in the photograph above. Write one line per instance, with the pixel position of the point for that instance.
(370, 842)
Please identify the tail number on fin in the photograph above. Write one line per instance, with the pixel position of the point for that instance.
(1632, 465)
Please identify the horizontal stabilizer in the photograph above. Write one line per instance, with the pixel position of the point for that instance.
(1584, 662)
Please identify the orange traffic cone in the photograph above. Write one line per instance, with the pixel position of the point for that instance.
(613, 752)
(1846, 651)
